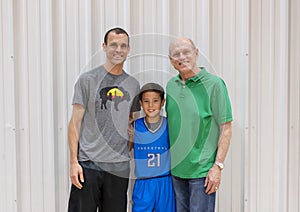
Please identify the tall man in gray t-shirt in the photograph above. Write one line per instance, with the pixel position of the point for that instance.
(104, 100)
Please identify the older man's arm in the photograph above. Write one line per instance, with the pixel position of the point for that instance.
(213, 178)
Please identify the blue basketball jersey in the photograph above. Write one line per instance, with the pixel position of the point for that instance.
(151, 150)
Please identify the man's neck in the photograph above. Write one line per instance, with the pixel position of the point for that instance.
(114, 69)
(190, 74)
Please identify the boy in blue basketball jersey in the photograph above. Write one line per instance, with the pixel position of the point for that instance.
(153, 189)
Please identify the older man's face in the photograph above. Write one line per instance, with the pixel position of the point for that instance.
(183, 55)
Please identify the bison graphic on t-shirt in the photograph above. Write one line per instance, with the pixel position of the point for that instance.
(115, 94)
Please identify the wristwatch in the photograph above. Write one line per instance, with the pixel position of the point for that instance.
(221, 165)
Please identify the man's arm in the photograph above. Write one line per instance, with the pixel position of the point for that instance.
(213, 178)
(76, 171)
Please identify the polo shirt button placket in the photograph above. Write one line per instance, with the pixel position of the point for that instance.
(182, 93)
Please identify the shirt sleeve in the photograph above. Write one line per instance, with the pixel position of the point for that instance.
(81, 92)
(220, 105)
(135, 106)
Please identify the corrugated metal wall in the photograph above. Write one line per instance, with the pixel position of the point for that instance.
(254, 45)
(266, 173)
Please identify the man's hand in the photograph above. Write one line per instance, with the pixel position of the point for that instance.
(213, 180)
(76, 174)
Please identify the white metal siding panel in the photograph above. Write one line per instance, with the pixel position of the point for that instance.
(202, 32)
(281, 77)
(47, 137)
(294, 110)
(239, 103)
(35, 168)
(251, 173)
(268, 68)
(148, 60)
(35, 144)
(98, 27)
(253, 45)
(61, 102)
(8, 175)
(22, 109)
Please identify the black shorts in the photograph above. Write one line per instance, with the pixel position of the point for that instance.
(101, 190)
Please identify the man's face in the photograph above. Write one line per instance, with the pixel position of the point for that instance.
(117, 48)
(183, 55)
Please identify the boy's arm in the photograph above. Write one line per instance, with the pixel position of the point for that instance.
(76, 171)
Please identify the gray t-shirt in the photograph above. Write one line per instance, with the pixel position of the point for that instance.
(108, 99)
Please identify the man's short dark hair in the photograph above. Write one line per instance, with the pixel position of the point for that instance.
(116, 30)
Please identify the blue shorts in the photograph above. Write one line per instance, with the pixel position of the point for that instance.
(153, 194)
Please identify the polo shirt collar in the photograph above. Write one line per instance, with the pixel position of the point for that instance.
(197, 77)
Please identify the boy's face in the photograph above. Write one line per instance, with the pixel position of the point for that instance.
(151, 104)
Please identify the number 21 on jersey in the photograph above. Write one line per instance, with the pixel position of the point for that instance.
(153, 160)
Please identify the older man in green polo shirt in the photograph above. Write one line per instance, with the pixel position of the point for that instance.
(199, 116)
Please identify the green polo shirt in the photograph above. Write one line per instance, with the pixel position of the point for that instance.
(195, 110)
